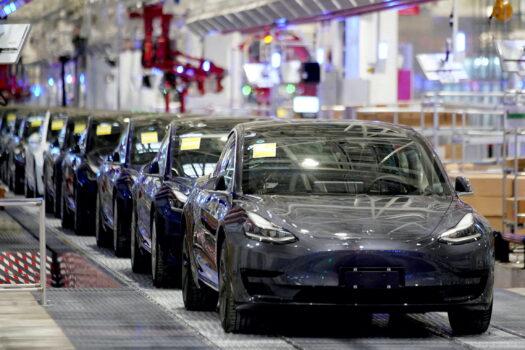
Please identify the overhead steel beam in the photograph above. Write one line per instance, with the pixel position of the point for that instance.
(300, 11)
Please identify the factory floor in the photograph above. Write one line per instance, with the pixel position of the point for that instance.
(95, 301)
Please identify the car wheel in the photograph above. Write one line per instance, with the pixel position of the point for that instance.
(48, 201)
(120, 240)
(160, 270)
(28, 193)
(138, 260)
(196, 298)
(469, 322)
(232, 320)
(57, 201)
(18, 185)
(81, 224)
(101, 234)
(67, 218)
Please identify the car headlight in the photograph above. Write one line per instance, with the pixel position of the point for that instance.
(464, 232)
(260, 229)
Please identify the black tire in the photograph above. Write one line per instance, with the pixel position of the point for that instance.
(121, 229)
(196, 298)
(470, 322)
(101, 234)
(232, 319)
(57, 200)
(139, 263)
(18, 184)
(49, 203)
(28, 192)
(162, 274)
(81, 221)
(67, 217)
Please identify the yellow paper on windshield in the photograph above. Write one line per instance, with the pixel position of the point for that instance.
(190, 143)
(57, 125)
(79, 127)
(11, 117)
(149, 137)
(264, 150)
(36, 122)
(103, 129)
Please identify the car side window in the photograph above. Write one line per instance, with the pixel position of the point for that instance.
(226, 165)
(163, 154)
(121, 149)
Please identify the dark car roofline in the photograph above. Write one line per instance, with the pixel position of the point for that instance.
(255, 125)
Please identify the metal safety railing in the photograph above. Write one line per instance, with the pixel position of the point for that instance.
(41, 285)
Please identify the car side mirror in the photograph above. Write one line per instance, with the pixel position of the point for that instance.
(463, 187)
(154, 167)
(220, 183)
(116, 157)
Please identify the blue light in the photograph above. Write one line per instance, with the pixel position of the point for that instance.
(69, 79)
(206, 66)
(281, 22)
(37, 90)
(157, 72)
(82, 78)
(50, 82)
(7, 10)
(13, 7)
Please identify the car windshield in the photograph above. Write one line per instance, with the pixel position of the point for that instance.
(339, 159)
(199, 145)
(32, 126)
(146, 141)
(105, 134)
(56, 124)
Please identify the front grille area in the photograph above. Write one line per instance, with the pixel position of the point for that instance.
(261, 284)
(398, 296)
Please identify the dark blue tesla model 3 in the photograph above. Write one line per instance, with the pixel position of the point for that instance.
(80, 167)
(138, 145)
(345, 214)
(189, 150)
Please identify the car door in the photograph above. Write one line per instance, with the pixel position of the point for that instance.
(151, 183)
(212, 208)
(112, 170)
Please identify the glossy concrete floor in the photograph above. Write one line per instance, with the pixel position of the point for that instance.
(102, 304)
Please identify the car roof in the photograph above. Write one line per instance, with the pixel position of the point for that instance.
(274, 124)
(213, 120)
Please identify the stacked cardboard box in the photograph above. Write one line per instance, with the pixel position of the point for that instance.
(488, 197)
(410, 118)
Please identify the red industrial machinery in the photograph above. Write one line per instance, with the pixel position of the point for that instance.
(180, 70)
(290, 47)
(11, 85)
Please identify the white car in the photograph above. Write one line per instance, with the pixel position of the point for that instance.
(36, 145)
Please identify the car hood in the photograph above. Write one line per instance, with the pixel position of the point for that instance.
(405, 218)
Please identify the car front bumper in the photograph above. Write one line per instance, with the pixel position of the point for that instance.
(372, 275)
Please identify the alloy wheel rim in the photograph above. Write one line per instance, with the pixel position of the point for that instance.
(185, 273)
(133, 238)
(97, 219)
(223, 299)
(115, 225)
(153, 249)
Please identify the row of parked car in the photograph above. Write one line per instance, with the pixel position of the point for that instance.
(249, 214)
